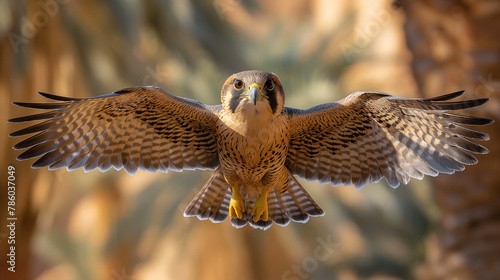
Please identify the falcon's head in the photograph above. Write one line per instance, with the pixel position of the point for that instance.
(253, 94)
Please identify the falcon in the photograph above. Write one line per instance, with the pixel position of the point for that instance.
(255, 145)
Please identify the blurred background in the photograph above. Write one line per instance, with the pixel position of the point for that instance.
(113, 226)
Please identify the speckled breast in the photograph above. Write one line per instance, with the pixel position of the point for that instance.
(251, 154)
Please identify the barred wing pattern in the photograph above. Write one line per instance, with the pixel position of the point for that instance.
(370, 135)
(142, 127)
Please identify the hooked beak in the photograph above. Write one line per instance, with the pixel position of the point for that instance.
(254, 93)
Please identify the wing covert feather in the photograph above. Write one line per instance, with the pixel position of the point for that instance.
(370, 135)
(142, 127)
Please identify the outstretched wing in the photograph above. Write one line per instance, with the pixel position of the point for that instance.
(142, 127)
(370, 135)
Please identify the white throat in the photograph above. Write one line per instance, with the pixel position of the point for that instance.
(249, 119)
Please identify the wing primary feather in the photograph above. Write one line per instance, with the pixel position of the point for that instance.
(45, 106)
(144, 109)
(448, 118)
(53, 115)
(55, 149)
(58, 98)
(407, 137)
(43, 126)
(444, 97)
(459, 105)
(468, 145)
(458, 130)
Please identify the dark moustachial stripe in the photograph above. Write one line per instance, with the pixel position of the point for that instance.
(233, 103)
(273, 100)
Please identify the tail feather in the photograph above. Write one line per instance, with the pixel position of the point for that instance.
(223, 212)
(260, 223)
(212, 202)
(276, 213)
(293, 204)
(207, 203)
(302, 199)
(239, 223)
(291, 209)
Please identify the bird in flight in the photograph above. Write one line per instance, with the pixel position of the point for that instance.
(255, 145)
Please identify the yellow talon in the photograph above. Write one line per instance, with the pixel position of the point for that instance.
(237, 205)
(260, 208)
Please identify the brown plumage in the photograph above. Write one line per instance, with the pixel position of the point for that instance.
(254, 143)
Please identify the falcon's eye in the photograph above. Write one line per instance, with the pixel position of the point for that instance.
(269, 85)
(238, 84)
